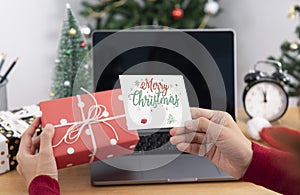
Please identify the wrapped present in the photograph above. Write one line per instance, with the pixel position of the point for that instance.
(88, 127)
(12, 126)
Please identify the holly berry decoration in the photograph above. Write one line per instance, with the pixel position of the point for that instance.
(143, 120)
(82, 44)
(177, 13)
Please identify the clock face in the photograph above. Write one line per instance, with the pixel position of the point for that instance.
(266, 99)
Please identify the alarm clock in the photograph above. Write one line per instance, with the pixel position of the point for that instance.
(264, 95)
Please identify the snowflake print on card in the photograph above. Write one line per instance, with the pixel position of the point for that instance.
(154, 101)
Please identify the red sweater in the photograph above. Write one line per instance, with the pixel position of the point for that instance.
(273, 169)
(45, 185)
(270, 168)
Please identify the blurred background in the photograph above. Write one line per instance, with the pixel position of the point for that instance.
(30, 30)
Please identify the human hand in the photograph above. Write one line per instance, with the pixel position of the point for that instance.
(215, 134)
(284, 139)
(32, 164)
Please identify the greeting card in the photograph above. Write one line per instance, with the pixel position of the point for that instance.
(154, 101)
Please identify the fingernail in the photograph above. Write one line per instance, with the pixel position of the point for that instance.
(49, 126)
(172, 140)
(171, 132)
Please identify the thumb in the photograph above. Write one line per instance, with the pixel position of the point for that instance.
(46, 139)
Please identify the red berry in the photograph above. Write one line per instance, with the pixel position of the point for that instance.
(177, 13)
(82, 44)
(144, 121)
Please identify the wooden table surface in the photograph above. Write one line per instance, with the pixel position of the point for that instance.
(76, 180)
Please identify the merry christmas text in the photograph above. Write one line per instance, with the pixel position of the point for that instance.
(152, 86)
(138, 99)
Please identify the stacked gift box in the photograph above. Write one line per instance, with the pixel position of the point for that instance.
(12, 126)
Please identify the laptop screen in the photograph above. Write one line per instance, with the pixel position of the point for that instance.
(205, 58)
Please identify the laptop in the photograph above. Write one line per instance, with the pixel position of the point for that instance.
(205, 59)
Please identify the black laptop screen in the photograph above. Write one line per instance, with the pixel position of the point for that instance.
(208, 69)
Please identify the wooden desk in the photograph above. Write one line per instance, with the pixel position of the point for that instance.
(76, 180)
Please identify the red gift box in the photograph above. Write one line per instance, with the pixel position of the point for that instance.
(88, 127)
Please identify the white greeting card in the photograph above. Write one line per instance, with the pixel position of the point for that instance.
(154, 101)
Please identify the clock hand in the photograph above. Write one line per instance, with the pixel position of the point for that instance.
(265, 96)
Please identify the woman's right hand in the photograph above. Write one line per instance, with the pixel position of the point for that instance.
(215, 134)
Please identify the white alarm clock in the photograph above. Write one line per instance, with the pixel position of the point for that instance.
(265, 96)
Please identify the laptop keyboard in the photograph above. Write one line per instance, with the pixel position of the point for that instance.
(156, 143)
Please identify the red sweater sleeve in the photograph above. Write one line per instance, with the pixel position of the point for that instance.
(45, 185)
(273, 169)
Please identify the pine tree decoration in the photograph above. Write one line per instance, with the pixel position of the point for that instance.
(290, 55)
(171, 119)
(72, 69)
(122, 14)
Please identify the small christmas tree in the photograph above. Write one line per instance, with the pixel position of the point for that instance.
(290, 57)
(171, 119)
(72, 69)
(122, 14)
